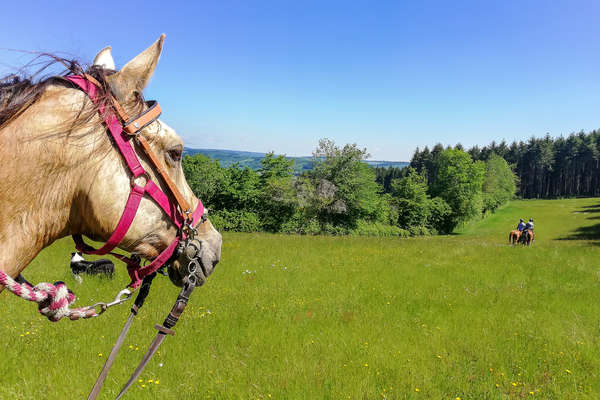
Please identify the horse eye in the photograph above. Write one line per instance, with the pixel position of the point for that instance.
(175, 154)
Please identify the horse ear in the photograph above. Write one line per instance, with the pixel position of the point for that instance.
(104, 59)
(135, 75)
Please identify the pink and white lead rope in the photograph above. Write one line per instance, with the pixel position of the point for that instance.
(53, 299)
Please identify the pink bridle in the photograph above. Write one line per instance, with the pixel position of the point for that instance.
(122, 134)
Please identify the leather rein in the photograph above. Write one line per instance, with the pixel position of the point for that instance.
(124, 130)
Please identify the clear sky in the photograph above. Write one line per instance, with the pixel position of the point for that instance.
(387, 75)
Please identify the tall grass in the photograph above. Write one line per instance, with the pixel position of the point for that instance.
(296, 317)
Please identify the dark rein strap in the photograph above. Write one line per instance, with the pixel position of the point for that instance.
(137, 305)
(165, 329)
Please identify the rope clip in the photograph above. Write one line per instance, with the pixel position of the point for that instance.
(121, 297)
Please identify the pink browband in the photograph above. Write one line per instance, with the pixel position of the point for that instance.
(122, 140)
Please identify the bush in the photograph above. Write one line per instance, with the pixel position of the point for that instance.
(336, 230)
(459, 182)
(412, 213)
(239, 221)
(499, 185)
(441, 215)
(403, 233)
(419, 230)
(365, 228)
(302, 225)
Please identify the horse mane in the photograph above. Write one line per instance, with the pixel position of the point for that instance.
(18, 91)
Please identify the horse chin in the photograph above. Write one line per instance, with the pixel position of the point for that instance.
(197, 256)
(175, 276)
(178, 270)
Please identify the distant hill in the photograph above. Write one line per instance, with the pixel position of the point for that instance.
(252, 159)
(385, 164)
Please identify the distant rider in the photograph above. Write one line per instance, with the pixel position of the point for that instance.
(521, 225)
(529, 225)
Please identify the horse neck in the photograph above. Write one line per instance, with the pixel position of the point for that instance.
(38, 183)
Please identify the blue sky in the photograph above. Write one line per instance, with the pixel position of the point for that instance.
(389, 76)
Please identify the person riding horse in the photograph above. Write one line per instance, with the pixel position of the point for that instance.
(528, 235)
(515, 236)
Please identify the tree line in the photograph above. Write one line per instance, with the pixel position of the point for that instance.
(343, 195)
(545, 167)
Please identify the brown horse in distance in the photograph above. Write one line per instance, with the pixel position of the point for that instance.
(514, 236)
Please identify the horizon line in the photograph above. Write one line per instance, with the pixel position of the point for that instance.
(285, 155)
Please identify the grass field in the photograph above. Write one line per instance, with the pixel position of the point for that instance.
(289, 317)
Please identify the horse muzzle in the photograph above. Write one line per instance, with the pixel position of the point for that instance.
(198, 256)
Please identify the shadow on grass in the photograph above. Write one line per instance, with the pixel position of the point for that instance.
(585, 233)
(589, 209)
(588, 233)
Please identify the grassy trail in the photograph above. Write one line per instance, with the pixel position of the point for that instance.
(289, 317)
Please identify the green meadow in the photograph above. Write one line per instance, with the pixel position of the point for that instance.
(298, 317)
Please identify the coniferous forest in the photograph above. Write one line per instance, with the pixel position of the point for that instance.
(545, 167)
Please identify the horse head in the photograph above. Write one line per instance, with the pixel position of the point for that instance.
(62, 174)
(109, 184)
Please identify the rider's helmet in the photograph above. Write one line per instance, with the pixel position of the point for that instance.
(521, 220)
(530, 219)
